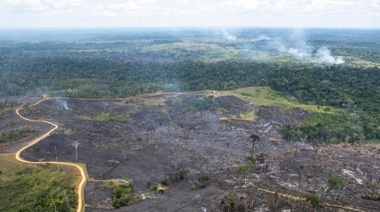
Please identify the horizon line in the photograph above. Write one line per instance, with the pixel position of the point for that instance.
(184, 27)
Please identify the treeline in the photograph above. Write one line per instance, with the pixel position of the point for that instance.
(7, 104)
(14, 135)
(345, 126)
(101, 73)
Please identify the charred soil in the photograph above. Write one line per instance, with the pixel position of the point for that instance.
(195, 143)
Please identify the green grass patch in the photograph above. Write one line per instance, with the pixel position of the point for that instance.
(326, 123)
(153, 102)
(268, 97)
(249, 116)
(109, 117)
(261, 96)
(355, 61)
(203, 51)
(164, 110)
(25, 187)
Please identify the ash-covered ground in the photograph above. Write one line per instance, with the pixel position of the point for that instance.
(149, 139)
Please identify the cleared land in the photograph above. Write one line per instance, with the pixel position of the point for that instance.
(198, 144)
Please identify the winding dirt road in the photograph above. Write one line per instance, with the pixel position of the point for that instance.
(80, 189)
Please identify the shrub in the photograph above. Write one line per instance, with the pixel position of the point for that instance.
(13, 135)
(250, 160)
(314, 201)
(230, 200)
(164, 183)
(202, 181)
(242, 169)
(151, 187)
(178, 176)
(203, 178)
(335, 183)
(122, 194)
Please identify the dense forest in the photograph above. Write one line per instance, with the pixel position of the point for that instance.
(132, 63)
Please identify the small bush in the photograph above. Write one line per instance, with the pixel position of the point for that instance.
(122, 194)
(230, 200)
(178, 176)
(242, 169)
(335, 183)
(202, 181)
(250, 160)
(164, 183)
(203, 178)
(314, 201)
(151, 187)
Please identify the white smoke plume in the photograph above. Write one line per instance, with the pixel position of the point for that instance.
(300, 53)
(301, 50)
(323, 56)
(260, 38)
(297, 46)
(228, 36)
(63, 103)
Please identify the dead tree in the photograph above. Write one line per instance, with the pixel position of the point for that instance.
(76, 144)
(253, 138)
(261, 157)
(56, 154)
(187, 129)
(151, 130)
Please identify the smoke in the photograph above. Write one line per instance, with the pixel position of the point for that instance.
(260, 38)
(63, 103)
(323, 56)
(296, 47)
(294, 44)
(228, 36)
(301, 50)
(300, 53)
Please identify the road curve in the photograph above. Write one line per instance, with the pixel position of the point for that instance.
(80, 189)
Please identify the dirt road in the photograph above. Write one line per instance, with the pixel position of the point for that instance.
(80, 189)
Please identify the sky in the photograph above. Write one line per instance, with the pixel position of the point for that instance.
(189, 13)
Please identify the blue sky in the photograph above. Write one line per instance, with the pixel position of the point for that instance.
(185, 13)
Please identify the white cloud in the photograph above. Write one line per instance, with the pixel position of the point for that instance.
(25, 5)
(328, 13)
(238, 6)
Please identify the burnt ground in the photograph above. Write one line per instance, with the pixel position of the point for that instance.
(10, 121)
(149, 139)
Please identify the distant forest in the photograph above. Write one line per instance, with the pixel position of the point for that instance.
(118, 65)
